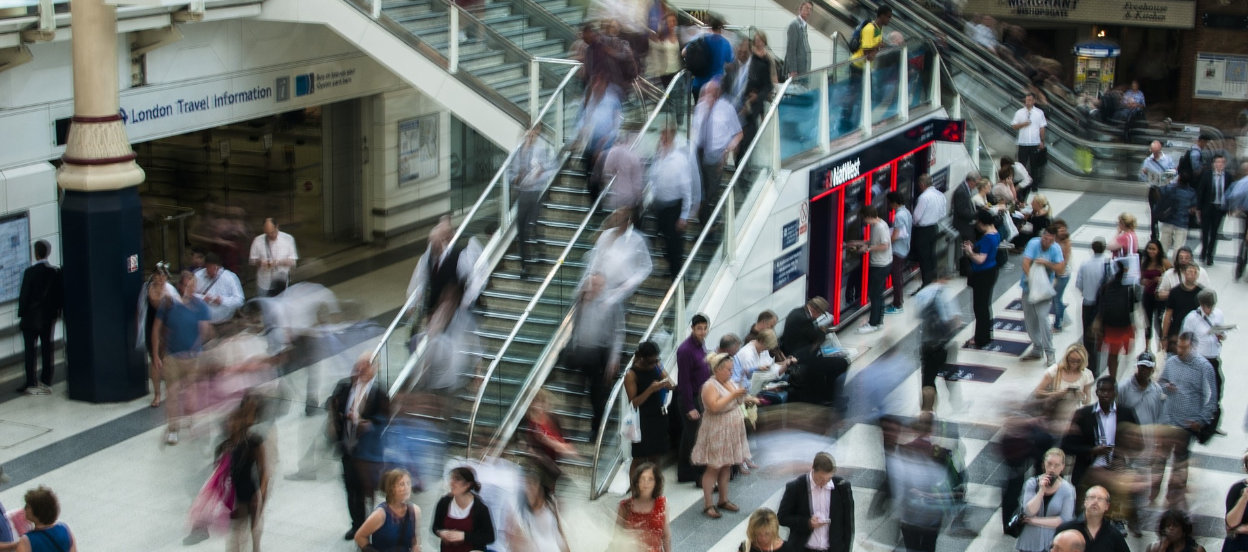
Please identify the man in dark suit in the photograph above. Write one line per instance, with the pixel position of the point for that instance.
(38, 307)
(358, 412)
(816, 377)
(830, 526)
(797, 45)
(964, 210)
(1212, 187)
(1100, 432)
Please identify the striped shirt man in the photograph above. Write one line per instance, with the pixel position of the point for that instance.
(1190, 395)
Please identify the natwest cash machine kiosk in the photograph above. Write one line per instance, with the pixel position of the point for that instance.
(840, 188)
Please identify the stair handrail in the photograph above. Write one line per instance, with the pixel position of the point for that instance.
(510, 421)
(550, 354)
(487, 253)
(678, 284)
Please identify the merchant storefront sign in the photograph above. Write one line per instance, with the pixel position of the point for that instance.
(1180, 14)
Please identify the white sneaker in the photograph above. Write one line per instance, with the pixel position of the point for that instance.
(38, 390)
(867, 328)
(171, 438)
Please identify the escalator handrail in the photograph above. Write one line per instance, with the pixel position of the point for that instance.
(742, 163)
(549, 355)
(499, 176)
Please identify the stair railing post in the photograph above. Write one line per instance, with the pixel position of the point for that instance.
(903, 85)
(534, 89)
(935, 79)
(453, 38)
(559, 119)
(679, 330)
(864, 121)
(730, 214)
(504, 200)
(376, 8)
(825, 111)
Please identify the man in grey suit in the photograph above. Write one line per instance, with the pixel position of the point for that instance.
(797, 49)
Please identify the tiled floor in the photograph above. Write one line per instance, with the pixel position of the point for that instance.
(122, 489)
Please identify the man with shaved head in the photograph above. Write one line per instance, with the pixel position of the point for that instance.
(1098, 534)
(1069, 540)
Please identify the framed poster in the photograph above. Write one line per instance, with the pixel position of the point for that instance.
(418, 149)
(14, 254)
(1221, 76)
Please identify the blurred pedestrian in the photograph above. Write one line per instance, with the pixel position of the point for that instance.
(594, 348)
(394, 526)
(1025, 440)
(622, 171)
(600, 126)
(1208, 325)
(1096, 435)
(1175, 533)
(1117, 301)
(930, 209)
(461, 520)
(1043, 252)
(644, 511)
(180, 331)
(939, 320)
(620, 256)
(529, 173)
(219, 288)
(1057, 307)
(250, 469)
(156, 294)
(442, 265)
(818, 508)
(760, 84)
(1048, 501)
(544, 435)
(1191, 401)
(647, 386)
(716, 133)
(274, 255)
(358, 411)
(536, 524)
(721, 442)
(717, 52)
(674, 184)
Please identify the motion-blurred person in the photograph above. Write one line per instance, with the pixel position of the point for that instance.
(643, 513)
(983, 278)
(156, 294)
(445, 264)
(39, 304)
(1018, 174)
(181, 330)
(1025, 440)
(544, 435)
(1117, 301)
(1068, 381)
(621, 256)
(663, 60)
(597, 340)
(1211, 189)
(219, 288)
(1236, 504)
(605, 57)
(535, 525)
(1208, 324)
(461, 520)
(762, 531)
(646, 386)
(818, 508)
(760, 84)
(939, 320)
(692, 373)
(451, 344)
(1057, 307)
(250, 467)
(1176, 203)
(48, 534)
(1172, 278)
(930, 208)
(1044, 252)
(1048, 501)
(1191, 401)
(721, 442)
(766, 321)
(716, 133)
(924, 482)
(358, 412)
(1175, 533)
(707, 60)
(1095, 438)
(622, 171)
(600, 126)
(903, 227)
(394, 526)
(1098, 533)
(529, 173)
(1093, 274)
(274, 255)
(674, 183)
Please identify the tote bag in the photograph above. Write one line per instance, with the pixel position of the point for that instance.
(1039, 288)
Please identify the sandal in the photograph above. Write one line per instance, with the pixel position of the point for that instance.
(712, 513)
(729, 506)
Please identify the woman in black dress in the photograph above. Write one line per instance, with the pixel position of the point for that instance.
(646, 386)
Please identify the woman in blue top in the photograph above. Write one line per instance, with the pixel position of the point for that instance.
(392, 526)
(42, 510)
(983, 256)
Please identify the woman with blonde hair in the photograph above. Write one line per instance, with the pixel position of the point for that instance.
(1070, 376)
(1048, 501)
(762, 533)
(392, 527)
(721, 441)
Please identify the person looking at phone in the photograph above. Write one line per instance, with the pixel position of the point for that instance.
(1209, 326)
(1048, 501)
(1190, 386)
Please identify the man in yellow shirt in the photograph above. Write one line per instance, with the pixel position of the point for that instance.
(872, 38)
(873, 35)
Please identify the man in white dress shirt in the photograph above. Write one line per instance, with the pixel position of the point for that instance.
(673, 185)
(717, 131)
(1030, 123)
(219, 288)
(929, 210)
(274, 255)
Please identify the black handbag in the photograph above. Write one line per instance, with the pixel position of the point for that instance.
(1015, 527)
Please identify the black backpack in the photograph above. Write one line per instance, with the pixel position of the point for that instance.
(1187, 174)
(698, 57)
(1117, 302)
(855, 38)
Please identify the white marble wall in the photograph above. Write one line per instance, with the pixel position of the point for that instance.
(388, 110)
(31, 189)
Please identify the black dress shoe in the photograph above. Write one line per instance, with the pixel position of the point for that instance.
(1208, 262)
(350, 535)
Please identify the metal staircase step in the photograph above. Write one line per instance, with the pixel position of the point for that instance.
(501, 73)
(480, 60)
(506, 22)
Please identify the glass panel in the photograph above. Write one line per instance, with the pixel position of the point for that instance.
(844, 99)
(885, 75)
(799, 117)
(920, 69)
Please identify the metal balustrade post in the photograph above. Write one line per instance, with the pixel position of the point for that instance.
(534, 89)
(825, 113)
(452, 36)
(678, 332)
(955, 110)
(730, 233)
(559, 119)
(903, 85)
(47, 16)
(935, 80)
(864, 120)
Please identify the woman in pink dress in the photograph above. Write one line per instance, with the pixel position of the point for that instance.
(644, 512)
(721, 442)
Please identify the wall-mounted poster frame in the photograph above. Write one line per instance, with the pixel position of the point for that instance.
(14, 254)
(418, 149)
